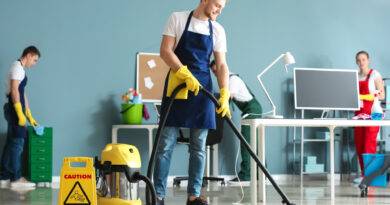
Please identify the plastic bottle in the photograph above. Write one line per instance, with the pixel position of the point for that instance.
(376, 110)
(137, 99)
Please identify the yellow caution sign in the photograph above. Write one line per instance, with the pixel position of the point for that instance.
(78, 182)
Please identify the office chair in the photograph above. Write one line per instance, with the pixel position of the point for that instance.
(213, 137)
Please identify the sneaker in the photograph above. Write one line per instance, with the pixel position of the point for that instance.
(22, 183)
(4, 183)
(160, 201)
(358, 180)
(197, 201)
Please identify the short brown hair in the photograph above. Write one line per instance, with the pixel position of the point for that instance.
(362, 52)
(31, 49)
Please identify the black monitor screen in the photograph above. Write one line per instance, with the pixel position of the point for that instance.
(326, 89)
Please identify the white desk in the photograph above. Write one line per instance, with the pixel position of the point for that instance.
(150, 128)
(260, 124)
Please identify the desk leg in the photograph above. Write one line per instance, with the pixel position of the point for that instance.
(114, 135)
(331, 149)
(150, 141)
(261, 155)
(207, 167)
(215, 161)
(253, 166)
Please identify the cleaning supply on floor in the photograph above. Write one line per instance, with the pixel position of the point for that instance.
(372, 163)
(78, 181)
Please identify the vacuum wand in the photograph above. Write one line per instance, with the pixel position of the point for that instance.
(164, 116)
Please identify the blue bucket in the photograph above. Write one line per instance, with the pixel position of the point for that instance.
(372, 163)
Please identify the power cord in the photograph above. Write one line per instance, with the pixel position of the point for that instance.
(238, 152)
(238, 178)
(255, 114)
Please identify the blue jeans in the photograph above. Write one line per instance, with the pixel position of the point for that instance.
(11, 158)
(197, 150)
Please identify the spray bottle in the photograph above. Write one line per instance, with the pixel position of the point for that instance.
(376, 110)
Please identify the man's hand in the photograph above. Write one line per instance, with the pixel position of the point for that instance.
(224, 103)
(191, 82)
(30, 118)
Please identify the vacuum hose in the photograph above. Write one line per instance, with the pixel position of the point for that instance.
(161, 125)
(149, 185)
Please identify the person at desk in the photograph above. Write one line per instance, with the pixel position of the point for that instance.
(246, 102)
(189, 39)
(371, 90)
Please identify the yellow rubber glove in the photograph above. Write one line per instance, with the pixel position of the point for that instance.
(224, 102)
(191, 82)
(368, 97)
(173, 82)
(19, 113)
(183, 75)
(30, 118)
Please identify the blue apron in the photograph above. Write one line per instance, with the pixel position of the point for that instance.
(10, 113)
(193, 50)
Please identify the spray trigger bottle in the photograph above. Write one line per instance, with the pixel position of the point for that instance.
(376, 110)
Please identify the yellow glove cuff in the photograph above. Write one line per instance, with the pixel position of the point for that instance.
(173, 82)
(19, 113)
(30, 118)
(18, 107)
(224, 103)
(28, 113)
(224, 93)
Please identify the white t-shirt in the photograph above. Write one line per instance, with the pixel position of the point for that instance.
(371, 82)
(16, 72)
(238, 89)
(177, 22)
(371, 86)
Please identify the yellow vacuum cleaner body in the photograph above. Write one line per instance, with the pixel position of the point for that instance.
(117, 182)
(122, 154)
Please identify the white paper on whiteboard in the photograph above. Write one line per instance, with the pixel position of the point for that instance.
(151, 64)
(148, 83)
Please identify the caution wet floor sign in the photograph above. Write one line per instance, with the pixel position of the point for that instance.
(77, 185)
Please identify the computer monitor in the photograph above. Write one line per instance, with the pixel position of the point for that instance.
(326, 89)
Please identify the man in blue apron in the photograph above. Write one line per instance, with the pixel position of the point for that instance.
(250, 108)
(16, 111)
(189, 39)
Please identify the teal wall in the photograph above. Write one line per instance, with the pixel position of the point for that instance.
(88, 59)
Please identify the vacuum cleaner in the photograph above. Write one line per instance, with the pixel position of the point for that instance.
(161, 125)
(118, 176)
